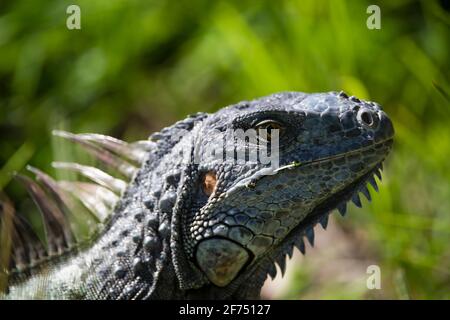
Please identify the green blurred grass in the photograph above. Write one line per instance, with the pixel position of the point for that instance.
(138, 66)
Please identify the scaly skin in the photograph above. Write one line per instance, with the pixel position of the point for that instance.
(173, 235)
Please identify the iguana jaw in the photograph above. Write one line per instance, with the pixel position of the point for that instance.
(256, 273)
(255, 266)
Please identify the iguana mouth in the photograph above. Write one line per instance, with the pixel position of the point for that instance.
(298, 164)
(251, 181)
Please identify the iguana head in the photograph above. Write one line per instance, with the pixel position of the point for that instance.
(246, 214)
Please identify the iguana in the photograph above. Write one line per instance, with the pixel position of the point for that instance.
(187, 225)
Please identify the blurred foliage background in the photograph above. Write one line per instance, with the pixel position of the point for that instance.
(137, 66)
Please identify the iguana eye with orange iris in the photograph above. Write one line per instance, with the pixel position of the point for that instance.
(209, 182)
(270, 125)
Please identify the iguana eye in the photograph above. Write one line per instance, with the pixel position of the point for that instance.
(270, 125)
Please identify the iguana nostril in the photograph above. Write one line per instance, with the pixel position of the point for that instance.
(367, 118)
